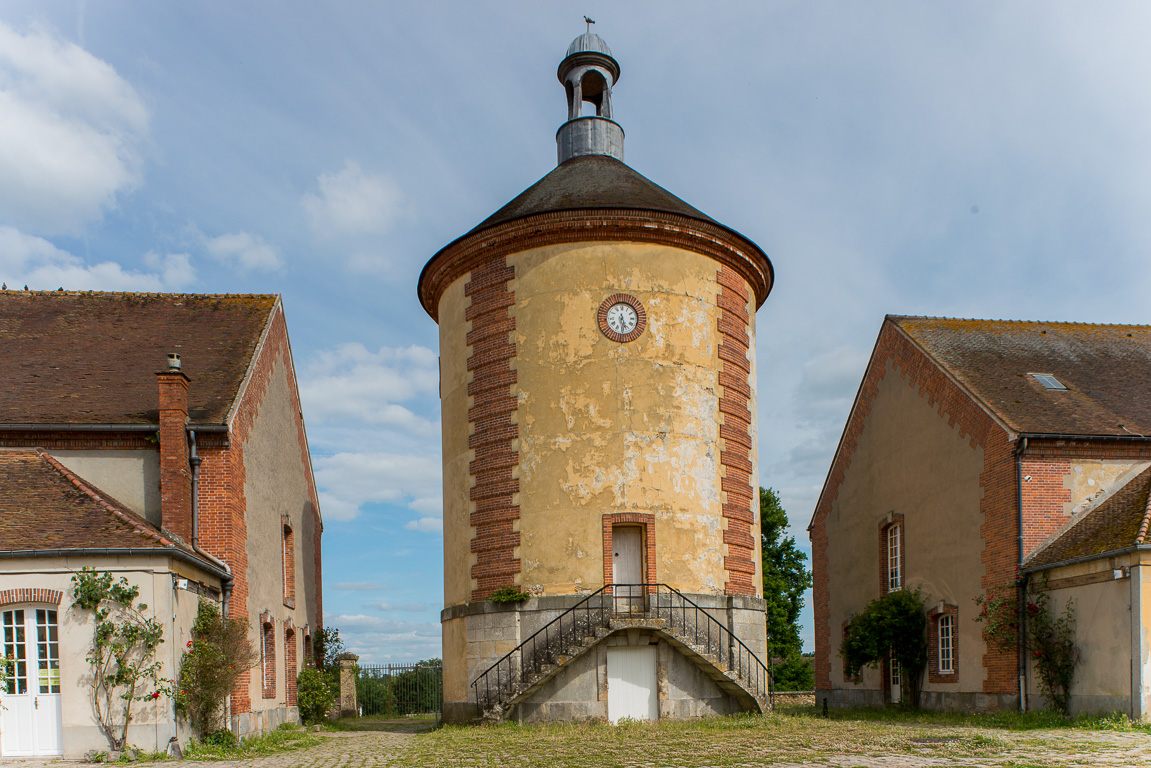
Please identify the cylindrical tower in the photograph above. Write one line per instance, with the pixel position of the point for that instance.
(597, 378)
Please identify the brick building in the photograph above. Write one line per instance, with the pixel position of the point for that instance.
(976, 451)
(597, 380)
(158, 437)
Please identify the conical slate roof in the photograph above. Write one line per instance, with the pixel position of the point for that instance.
(591, 181)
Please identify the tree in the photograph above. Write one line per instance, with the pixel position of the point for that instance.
(217, 656)
(328, 649)
(890, 628)
(123, 652)
(785, 578)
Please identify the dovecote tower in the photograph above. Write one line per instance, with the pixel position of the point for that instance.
(597, 377)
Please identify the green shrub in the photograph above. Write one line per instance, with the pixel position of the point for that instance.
(313, 696)
(218, 654)
(508, 595)
(222, 738)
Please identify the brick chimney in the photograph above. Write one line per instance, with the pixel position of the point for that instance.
(175, 471)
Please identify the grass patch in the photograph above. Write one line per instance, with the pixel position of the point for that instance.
(1007, 720)
(289, 737)
(720, 741)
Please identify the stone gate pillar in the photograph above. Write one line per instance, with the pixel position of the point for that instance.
(348, 706)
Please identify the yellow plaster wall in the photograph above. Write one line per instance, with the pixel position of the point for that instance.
(910, 462)
(1102, 628)
(604, 427)
(608, 427)
(454, 378)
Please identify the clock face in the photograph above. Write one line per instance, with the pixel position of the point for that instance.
(622, 318)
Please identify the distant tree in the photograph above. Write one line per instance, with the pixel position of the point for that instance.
(785, 578)
(794, 674)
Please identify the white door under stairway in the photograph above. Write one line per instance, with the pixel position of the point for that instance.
(631, 683)
(30, 722)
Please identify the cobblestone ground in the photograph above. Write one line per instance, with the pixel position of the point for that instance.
(404, 747)
(1026, 749)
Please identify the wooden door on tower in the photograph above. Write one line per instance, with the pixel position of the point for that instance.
(627, 567)
(30, 721)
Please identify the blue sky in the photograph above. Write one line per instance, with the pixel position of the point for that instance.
(976, 159)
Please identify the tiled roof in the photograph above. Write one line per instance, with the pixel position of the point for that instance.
(91, 358)
(1119, 522)
(45, 506)
(1105, 368)
(592, 181)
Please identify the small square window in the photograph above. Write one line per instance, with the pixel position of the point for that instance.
(1048, 380)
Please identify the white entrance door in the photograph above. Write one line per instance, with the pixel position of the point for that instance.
(896, 688)
(631, 685)
(30, 720)
(627, 566)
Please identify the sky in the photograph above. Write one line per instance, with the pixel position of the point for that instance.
(978, 159)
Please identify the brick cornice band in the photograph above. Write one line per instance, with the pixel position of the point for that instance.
(730, 249)
(735, 458)
(493, 431)
(31, 595)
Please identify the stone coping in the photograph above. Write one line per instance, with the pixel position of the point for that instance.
(563, 602)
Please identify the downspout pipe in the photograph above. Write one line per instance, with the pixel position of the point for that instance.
(1020, 579)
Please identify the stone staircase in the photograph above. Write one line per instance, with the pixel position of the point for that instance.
(713, 648)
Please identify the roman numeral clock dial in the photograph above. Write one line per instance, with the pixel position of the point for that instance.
(622, 318)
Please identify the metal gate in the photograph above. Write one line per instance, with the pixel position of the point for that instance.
(400, 690)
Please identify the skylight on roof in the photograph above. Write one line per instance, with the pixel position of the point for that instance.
(1048, 381)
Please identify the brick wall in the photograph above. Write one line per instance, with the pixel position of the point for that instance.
(493, 432)
(735, 430)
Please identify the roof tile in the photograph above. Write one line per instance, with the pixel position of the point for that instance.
(91, 358)
(1106, 369)
(45, 506)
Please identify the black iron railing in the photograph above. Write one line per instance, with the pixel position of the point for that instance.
(576, 629)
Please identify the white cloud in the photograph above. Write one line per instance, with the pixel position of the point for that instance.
(35, 262)
(377, 639)
(359, 586)
(353, 384)
(352, 202)
(349, 480)
(425, 524)
(176, 270)
(406, 607)
(245, 251)
(70, 133)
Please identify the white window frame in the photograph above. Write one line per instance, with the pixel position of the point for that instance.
(946, 641)
(894, 553)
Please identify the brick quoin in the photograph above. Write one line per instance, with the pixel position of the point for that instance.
(997, 506)
(735, 429)
(495, 461)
